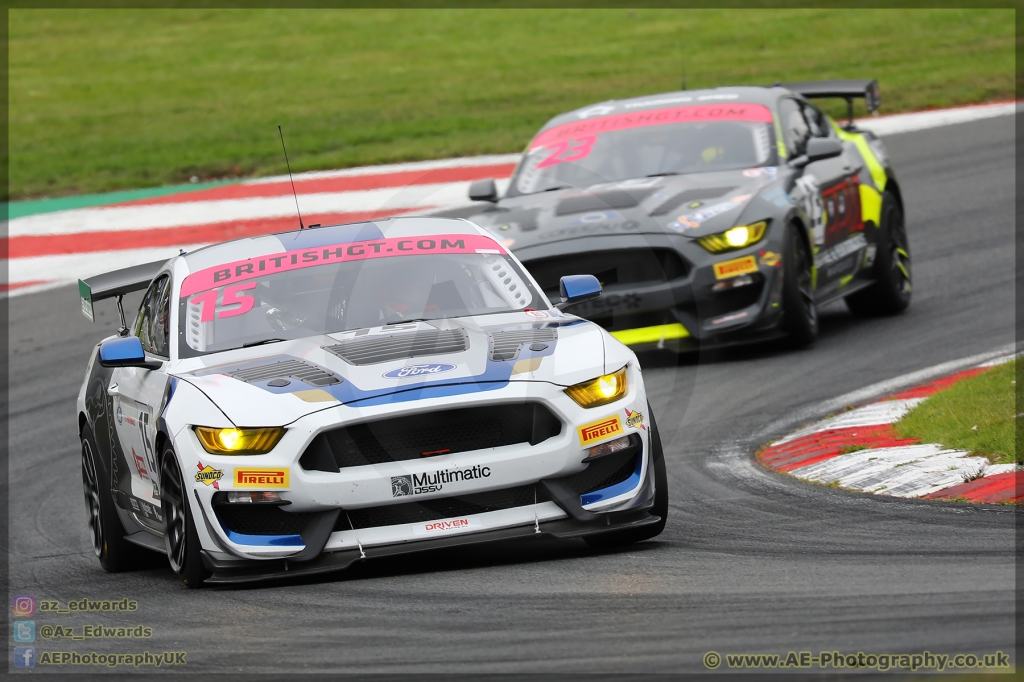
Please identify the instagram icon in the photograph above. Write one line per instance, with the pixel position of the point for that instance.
(24, 605)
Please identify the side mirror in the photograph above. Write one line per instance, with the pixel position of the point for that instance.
(125, 352)
(483, 190)
(577, 289)
(819, 148)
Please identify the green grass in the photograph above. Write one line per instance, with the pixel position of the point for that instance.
(104, 100)
(987, 401)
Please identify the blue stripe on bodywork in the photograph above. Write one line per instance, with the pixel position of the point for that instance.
(265, 540)
(495, 376)
(619, 488)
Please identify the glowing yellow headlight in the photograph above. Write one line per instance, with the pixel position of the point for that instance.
(738, 236)
(600, 391)
(238, 441)
(734, 238)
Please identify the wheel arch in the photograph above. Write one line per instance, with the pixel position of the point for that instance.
(893, 188)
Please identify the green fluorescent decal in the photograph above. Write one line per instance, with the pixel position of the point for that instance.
(874, 167)
(779, 142)
(870, 205)
(661, 332)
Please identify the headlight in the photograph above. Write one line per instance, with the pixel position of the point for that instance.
(238, 441)
(734, 238)
(600, 391)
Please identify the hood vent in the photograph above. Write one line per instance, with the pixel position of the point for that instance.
(505, 345)
(688, 196)
(290, 369)
(370, 350)
(601, 201)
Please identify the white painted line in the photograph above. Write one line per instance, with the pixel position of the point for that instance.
(907, 471)
(874, 414)
(159, 216)
(73, 266)
(921, 120)
(458, 162)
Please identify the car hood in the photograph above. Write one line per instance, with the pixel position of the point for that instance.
(694, 205)
(275, 384)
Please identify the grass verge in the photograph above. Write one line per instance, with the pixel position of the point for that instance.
(110, 99)
(976, 414)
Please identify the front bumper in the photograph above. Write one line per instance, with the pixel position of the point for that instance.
(353, 510)
(686, 312)
(558, 510)
(234, 572)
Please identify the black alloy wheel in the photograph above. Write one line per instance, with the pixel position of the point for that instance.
(106, 533)
(180, 538)
(800, 311)
(891, 291)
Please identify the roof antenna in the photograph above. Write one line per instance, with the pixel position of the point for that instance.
(294, 193)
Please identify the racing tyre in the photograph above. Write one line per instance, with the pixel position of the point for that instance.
(180, 537)
(105, 530)
(800, 312)
(890, 294)
(627, 537)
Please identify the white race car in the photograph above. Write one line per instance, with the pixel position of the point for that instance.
(293, 403)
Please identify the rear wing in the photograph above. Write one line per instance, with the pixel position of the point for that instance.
(115, 285)
(848, 90)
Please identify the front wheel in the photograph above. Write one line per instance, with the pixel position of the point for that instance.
(890, 294)
(180, 538)
(617, 538)
(800, 312)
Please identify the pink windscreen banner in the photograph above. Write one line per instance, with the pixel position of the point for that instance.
(755, 113)
(261, 266)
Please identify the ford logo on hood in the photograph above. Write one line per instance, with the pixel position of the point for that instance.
(418, 371)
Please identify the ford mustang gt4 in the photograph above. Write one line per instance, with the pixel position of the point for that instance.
(293, 403)
(712, 217)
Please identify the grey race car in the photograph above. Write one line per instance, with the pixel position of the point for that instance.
(711, 217)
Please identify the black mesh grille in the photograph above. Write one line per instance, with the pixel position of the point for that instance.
(505, 345)
(261, 519)
(432, 433)
(727, 301)
(295, 369)
(688, 196)
(433, 510)
(622, 267)
(606, 471)
(370, 350)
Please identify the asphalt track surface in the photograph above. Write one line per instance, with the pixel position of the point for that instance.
(750, 561)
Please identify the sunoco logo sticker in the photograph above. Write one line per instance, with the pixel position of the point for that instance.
(207, 475)
(635, 420)
(418, 370)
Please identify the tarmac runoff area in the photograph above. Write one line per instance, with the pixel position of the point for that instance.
(859, 450)
(53, 242)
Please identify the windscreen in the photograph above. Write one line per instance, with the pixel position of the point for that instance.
(354, 285)
(688, 139)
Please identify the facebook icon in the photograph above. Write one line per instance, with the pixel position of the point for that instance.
(24, 657)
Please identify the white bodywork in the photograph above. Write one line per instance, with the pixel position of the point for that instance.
(201, 395)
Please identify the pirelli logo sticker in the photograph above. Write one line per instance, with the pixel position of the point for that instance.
(595, 431)
(737, 266)
(254, 477)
